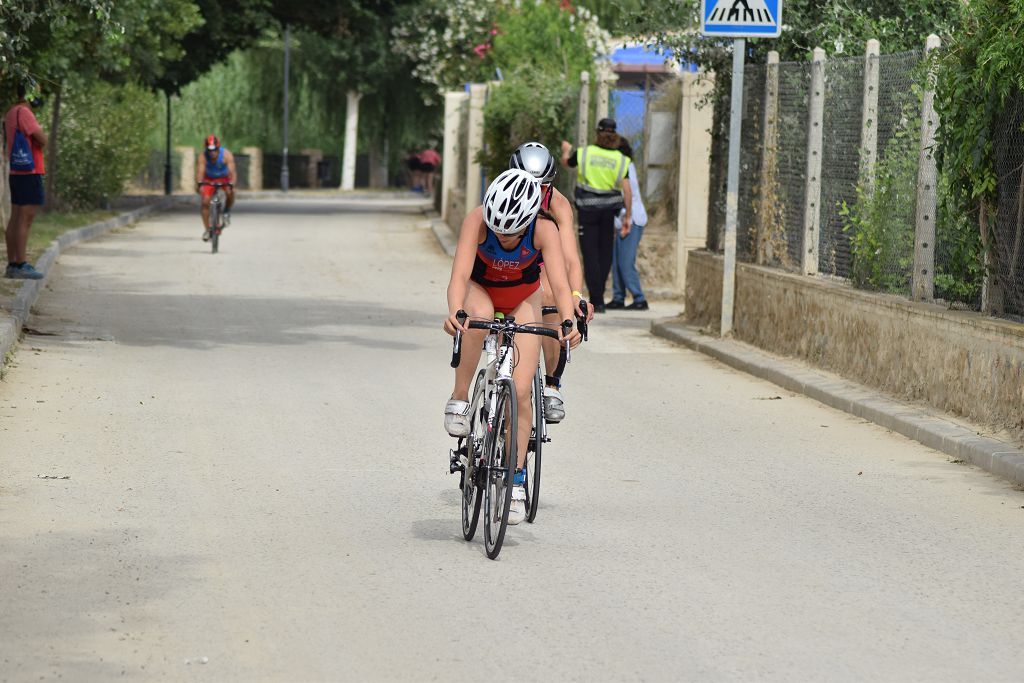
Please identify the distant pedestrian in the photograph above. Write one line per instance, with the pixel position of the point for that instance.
(25, 143)
(624, 273)
(602, 188)
(430, 162)
(412, 162)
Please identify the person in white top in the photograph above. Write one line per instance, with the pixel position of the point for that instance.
(624, 273)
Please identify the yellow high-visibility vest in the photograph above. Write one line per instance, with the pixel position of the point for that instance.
(599, 173)
(600, 169)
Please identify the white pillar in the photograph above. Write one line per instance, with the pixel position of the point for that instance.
(453, 102)
(348, 162)
(187, 183)
(923, 279)
(475, 142)
(694, 191)
(255, 167)
(767, 214)
(812, 198)
(869, 117)
(583, 118)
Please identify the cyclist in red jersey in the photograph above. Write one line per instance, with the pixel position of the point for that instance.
(497, 268)
(535, 158)
(217, 167)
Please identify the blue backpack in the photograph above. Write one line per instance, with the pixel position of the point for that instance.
(21, 153)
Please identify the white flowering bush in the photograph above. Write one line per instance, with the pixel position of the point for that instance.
(447, 41)
(450, 43)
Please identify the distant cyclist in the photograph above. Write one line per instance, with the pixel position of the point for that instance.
(534, 158)
(215, 167)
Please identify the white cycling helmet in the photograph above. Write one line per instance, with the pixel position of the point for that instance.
(535, 158)
(512, 202)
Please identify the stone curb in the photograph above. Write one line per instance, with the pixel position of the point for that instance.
(444, 234)
(959, 442)
(12, 322)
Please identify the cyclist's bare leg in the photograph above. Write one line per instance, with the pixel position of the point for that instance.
(478, 305)
(205, 212)
(550, 346)
(230, 191)
(527, 355)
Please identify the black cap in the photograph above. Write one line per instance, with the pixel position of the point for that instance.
(607, 125)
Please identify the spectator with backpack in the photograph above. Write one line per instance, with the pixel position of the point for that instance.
(25, 142)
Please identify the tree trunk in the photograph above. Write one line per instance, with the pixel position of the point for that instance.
(52, 159)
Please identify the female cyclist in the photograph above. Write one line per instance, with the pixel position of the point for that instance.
(535, 158)
(497, 268)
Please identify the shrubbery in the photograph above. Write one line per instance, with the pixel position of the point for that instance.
(104, 133)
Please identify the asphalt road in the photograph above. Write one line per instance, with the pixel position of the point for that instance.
(251, 485)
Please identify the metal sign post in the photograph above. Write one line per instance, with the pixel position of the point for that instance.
(739, 19)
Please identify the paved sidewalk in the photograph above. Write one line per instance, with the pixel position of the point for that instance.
(959, 441)
(15, 312)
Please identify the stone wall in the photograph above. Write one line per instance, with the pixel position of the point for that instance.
(959, 362)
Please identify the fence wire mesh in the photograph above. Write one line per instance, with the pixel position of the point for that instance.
(1007, 251)
(840, 168)
(791, 164)
(751, 144)
(882, 251)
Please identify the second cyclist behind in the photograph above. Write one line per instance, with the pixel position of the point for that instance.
(534, 158)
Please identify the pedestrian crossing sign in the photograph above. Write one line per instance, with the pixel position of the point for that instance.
(741, 18)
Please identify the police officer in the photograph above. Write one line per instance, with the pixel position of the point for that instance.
(602, 190)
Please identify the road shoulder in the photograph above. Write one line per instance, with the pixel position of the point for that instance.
(956, 440)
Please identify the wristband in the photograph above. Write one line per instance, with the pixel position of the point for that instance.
(575, 293)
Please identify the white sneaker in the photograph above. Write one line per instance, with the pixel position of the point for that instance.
(517, 511)
(554, 407)
(456, 418)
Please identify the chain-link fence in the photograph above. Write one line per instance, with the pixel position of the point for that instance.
(840, 160)
(866, 239)
(1006, 256)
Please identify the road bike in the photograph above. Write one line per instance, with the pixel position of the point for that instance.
(218, 218)
(539, 433)
(486, 458)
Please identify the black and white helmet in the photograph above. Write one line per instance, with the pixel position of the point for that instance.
(536, 159)
(512, 202)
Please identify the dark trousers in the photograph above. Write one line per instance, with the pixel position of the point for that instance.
(597, 242)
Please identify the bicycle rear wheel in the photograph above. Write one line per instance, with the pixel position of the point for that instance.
(533, 450)
(472, 490)
(500, 468)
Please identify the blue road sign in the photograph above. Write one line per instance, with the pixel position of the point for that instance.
(741, 18)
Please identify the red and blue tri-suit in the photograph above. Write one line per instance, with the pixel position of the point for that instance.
(509, 276)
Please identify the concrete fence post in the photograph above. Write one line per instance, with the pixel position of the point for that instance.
(475, 143)
(869, 114)
(450, 155)
(583, 124)
(923, 280)
(348, 160)
(605, 80)
(812, 196)
(315, 156)
(769, 164)
(694, 190)
(255, 155)
(188, 169)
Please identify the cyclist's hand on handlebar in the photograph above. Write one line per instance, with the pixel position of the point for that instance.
(576, 309)
(452, 324)
(573, 337)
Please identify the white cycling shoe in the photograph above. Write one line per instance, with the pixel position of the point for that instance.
(456, 418)
(517, 510)
(554, 407)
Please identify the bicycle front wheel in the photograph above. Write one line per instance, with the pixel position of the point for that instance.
(500, 468)
(534, 448)
(472, 492)
(215, 214)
